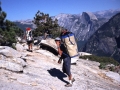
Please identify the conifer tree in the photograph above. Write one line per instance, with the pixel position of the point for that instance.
(44, 21)
(8, 30)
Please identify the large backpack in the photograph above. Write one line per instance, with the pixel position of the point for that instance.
(69, 42)
(29, 35)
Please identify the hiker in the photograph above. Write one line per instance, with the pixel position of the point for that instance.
(68, 39)
(46, 33)
(66, 61)
(29, 38)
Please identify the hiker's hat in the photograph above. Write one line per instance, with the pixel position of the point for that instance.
(57, 39)
(28, 28)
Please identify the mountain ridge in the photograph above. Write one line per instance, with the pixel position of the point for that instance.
(73, 22)
(103, 42)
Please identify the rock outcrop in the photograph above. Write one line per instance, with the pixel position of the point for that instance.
(40, 71)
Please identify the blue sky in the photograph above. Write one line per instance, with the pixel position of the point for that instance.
(26, 9)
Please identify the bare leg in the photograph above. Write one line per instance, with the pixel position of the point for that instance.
(31, 46)
(70, 77)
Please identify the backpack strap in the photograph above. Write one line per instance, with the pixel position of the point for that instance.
(68, 34)
(69, 38)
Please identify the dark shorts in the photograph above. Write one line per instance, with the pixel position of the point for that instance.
(29, 42)
(67, 65)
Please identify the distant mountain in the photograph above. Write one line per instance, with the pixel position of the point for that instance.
(83, 25)
(23, 24)
(103, 41)
(79, 24)
(106, 13)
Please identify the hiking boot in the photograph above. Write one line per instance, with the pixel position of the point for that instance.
(73, 80)
(31, 51)
(28, 50)
(68, 85)
(73, 64)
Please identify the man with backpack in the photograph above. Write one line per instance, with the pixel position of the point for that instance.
(69, 41)
(29, 38)
(63, 54)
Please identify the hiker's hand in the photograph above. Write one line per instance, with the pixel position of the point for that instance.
(59, 61)
(59, 56)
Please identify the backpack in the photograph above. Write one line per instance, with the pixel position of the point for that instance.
(29, 35)
(69, 42)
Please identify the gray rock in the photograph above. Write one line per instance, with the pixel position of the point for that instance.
(19, 61)
(9, 52)
(10, 66)
(19, 47)
(50, 42)
(44, 73)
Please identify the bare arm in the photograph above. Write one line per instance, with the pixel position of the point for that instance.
(59, 50)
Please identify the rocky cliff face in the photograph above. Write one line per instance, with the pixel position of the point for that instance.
(103, 42)
(39, 70)
(83, 25)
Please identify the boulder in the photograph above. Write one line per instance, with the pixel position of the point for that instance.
(19, 47)
(9, 52)
(49, 42)
(10, 66)
(50, 45)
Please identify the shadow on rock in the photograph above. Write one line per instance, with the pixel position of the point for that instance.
(49, 48)
(57, 73)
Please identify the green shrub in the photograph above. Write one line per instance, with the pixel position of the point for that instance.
(102, 60)
(102, 65)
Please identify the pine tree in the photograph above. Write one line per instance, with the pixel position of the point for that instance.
(8, 30)
(44, 21)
